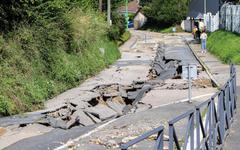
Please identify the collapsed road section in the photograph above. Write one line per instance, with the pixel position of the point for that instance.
(98, 101)
(110, 101)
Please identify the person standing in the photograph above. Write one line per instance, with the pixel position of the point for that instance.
(201, 25)
(195, 29)
(203, 38)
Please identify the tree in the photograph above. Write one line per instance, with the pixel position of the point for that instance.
(166, 11)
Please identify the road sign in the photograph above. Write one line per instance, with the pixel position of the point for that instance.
(189, 72)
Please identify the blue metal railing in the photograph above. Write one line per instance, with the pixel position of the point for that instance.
(209, 122)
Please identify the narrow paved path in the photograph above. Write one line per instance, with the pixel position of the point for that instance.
(220, 72)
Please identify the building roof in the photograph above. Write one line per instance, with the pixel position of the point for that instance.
(133, 7)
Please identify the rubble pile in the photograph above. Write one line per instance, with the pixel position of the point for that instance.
(163, 68)
(114, 100)
(111, 101)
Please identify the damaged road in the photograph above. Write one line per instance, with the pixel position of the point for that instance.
(120, 90)
(111, 101)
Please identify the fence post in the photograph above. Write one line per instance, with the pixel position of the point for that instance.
(210, 125)
(214, 124)
(192, 132)
(226, 100)
(171, 139)
(231, 97)
(222, 116)
(159, 142)
(198, 113)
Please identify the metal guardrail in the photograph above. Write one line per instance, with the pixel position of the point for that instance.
(207, 126)
(159, 141)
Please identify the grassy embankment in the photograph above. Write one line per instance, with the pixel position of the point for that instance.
(225, 45)
(40, 61)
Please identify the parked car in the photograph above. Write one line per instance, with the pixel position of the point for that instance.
(130, 24)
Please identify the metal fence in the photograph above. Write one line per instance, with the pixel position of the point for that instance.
(159, 142)
(211, 21)
(230, 17)
(208, 123)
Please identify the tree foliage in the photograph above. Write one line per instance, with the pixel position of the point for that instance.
(48, 46)
(166, 11)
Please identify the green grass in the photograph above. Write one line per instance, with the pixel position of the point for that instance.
(126, 36)
(162, 29)
(39, 62)
(225, 45)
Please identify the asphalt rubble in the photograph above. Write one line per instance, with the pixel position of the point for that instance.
(110, 101)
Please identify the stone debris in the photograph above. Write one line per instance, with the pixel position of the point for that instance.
(2, 131)
(202, 83)
(116, 106)
(174, 86)
(103, 112)
(108, 144)
(110, 101)
(84, 118)
(141, 107)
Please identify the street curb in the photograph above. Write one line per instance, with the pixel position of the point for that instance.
(214, 81)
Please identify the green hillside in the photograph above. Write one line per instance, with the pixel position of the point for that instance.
(49, 46)
(225, 45)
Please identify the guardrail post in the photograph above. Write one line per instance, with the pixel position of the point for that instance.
(231, 97)
(198, 136)
(214, 123)
(171, 139)
(159, 142)
(226, 103)
(192, 132)
(210, 125)
(235, 92)
(222, 116)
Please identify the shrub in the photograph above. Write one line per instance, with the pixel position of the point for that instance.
(50, 54)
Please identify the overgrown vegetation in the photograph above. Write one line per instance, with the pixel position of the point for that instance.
(225, 45)
(48, 46)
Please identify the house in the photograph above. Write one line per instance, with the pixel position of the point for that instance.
(133, 7)
(196, 8)
(197, 12)
(139, 20)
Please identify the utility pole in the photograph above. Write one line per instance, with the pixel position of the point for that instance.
(126, 14)
(100, 5)
(205, 6)
(109, 12)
